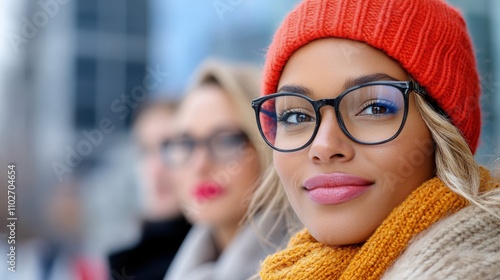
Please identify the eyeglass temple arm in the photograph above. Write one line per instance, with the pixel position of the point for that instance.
(428, 98)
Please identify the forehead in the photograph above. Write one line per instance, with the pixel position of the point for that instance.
(204, 110)
(324, 65)
(153, 124)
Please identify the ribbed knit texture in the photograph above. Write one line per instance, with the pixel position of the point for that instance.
(306, 258)
(465, 245)
(427, 37)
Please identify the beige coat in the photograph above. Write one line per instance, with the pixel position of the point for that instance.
(465, 245)
(198, 259)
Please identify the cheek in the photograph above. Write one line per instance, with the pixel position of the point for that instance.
(182, 184)
(244, 172)
(406, 162)
(283, 166)
(165, 175)
(290, 167)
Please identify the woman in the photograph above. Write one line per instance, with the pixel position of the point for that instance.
(163, 226)
(218, 158)
(372, 109)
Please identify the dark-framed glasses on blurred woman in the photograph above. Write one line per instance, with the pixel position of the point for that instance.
(370, 113)
(222, 146)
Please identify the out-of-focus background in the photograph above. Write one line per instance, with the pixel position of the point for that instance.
(73, 71)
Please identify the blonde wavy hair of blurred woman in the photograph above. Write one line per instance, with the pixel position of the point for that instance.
(455, 166)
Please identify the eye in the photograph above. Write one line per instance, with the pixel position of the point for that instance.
(184, 143)
(378, 107)
(231, 139)
(294, 117)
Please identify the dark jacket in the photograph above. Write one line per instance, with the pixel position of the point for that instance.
(151, 257)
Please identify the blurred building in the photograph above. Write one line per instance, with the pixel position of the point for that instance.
(183, 33)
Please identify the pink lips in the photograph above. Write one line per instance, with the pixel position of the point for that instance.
(207, 190)
(335, 188)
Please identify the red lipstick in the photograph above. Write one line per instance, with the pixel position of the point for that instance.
(335, 188)
(207, 190)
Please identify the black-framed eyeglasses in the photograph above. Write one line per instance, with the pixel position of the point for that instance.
(371, 113)
(222, 145)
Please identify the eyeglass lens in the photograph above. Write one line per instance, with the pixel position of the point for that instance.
(369, 114)
(222, 145)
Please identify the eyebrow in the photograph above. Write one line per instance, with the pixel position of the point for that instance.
(295, 89)
(216, 130)
(349, 82)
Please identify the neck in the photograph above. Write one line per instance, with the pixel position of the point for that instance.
(224, 234)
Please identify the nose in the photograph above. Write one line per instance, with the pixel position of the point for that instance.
(330, 143)
(155, 166)
(200, 160)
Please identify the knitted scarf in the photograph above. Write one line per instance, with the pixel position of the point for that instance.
(306, 258)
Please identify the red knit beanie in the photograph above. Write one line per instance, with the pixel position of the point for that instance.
(427, 37)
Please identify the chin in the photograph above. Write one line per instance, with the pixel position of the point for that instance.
(202, 218)
(338, 237)
(338, 240)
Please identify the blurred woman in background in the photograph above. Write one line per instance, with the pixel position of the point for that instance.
(218, 159)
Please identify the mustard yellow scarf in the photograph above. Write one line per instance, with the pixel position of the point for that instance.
(306, 258)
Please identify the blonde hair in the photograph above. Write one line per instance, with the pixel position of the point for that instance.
(270, 199)
(455, 166)
(455, 163)
(240, 81)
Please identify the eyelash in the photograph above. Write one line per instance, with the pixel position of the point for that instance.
(392, 108)
(283, 115)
